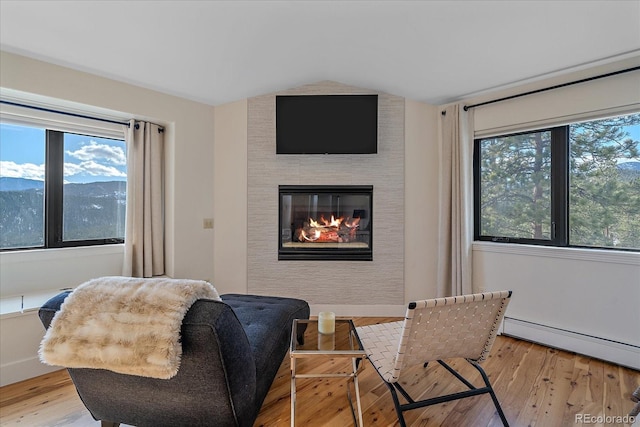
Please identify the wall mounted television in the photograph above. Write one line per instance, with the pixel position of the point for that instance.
(327, 124)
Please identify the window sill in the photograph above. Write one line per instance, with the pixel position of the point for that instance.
(41, 270)
(23, 304)
(35, 255)
(579, 254)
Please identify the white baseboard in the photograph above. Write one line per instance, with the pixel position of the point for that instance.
(23, 370)
(620, 353)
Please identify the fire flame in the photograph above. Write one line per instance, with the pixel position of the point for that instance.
(336, 230)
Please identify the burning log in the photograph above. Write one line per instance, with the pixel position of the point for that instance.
(324, 231)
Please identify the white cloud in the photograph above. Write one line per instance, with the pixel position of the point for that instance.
(31, 171)
(25, 170)
(72, 169)
(106, 153)
(92, 168)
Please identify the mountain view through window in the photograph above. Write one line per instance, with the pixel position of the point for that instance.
(86, 178)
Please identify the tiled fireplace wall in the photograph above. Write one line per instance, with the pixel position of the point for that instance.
(379, 281)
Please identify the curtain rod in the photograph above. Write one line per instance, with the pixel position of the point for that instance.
(588, 79)
(66, 113)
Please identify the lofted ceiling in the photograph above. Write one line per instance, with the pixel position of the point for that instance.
(221, 51)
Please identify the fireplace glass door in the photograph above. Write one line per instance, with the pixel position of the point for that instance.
(325, 223)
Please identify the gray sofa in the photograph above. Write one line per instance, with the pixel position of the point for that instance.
(232, 351)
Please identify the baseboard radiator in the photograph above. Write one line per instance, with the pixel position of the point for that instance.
(601, 348)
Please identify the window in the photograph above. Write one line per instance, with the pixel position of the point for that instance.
(60, 189)
(573, 185)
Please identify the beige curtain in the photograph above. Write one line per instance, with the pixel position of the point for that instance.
(456, 202)
(144, 230)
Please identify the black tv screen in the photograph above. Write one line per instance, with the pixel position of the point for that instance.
(327, 124)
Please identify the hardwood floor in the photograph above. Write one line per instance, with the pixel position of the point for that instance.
(536, 385)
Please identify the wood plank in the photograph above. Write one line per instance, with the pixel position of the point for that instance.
(536, 385)
(48, 400)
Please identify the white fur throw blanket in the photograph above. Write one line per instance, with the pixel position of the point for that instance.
(126, 325)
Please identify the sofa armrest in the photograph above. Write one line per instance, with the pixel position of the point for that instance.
(215, 385)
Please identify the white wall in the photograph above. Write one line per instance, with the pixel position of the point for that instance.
(579, 299)
(21, 335)
(189, 192)
(422, 173)
(230, 198)
(620, 93)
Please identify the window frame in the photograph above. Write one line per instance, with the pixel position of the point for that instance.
(54, 189)
(560, 207)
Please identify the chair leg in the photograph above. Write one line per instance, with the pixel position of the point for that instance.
(404, 393)
(396, 403)
(485, 378)
(473, 391)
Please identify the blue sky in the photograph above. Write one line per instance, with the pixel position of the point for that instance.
(86, 158)
(634, 132)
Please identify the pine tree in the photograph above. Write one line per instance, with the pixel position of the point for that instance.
(516, 184)
(604, 198)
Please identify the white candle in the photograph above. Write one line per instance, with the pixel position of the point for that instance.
(327, 342)
(326, 322)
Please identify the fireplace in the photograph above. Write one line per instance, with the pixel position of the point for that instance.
(325, 222)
